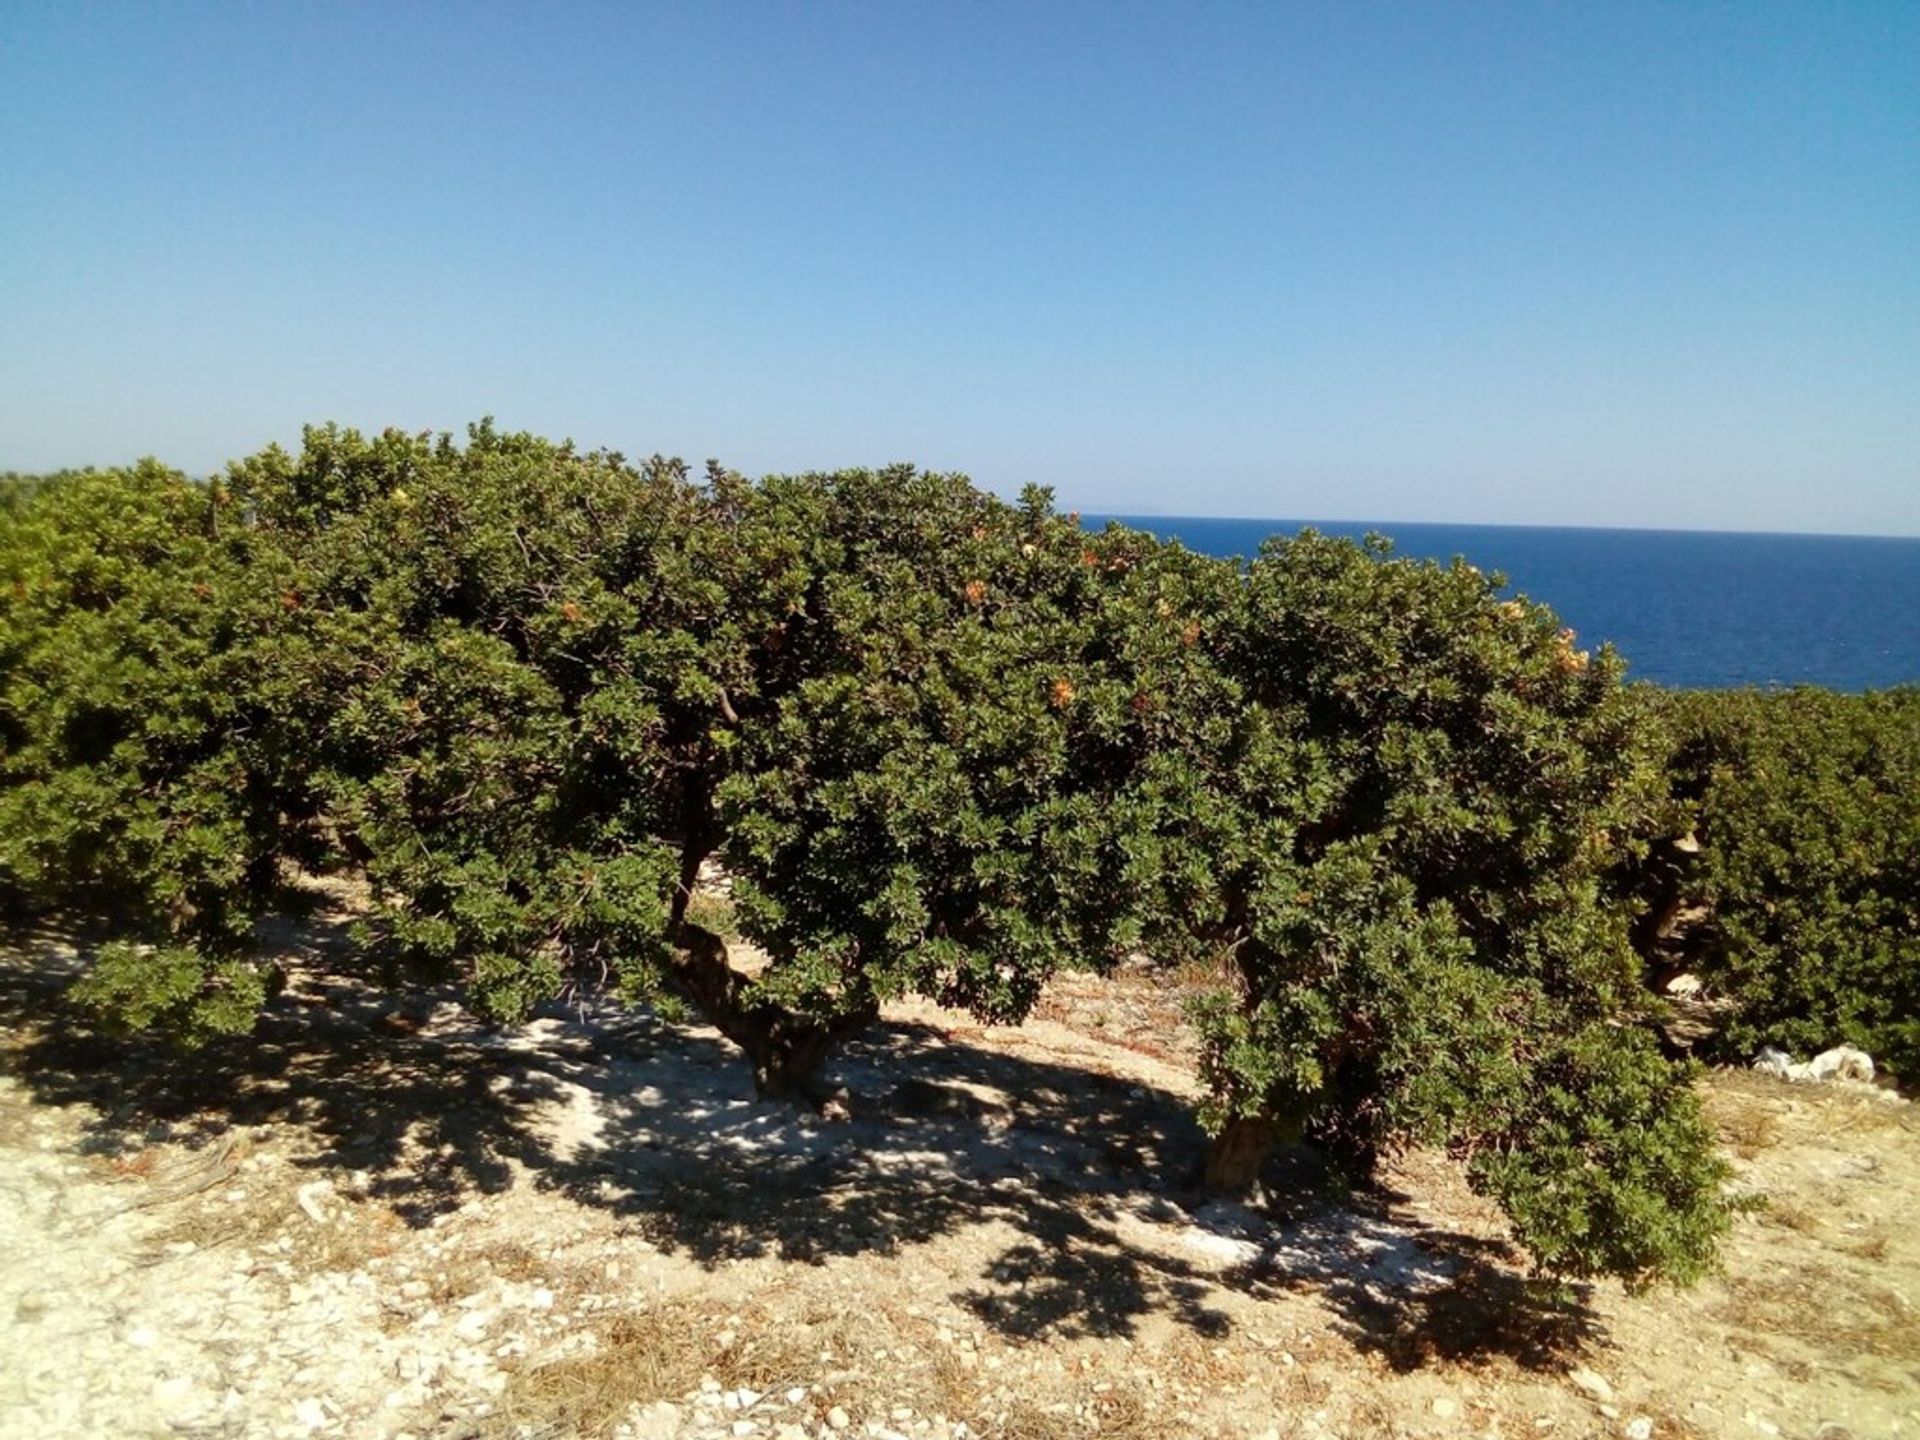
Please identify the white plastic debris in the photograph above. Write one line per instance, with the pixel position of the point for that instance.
(1843, 1062)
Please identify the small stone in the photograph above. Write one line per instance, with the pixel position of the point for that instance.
(658, 1421)
(838, 1418)
(473, 1325)
(796, 1394)
(541, 1299)
(1640, 1427)
(310, 1413)
(1590, 1383)
(307, 1197)
(1445, 1407)
(748, 1398)
(743, 1427)
(174, 1390)
(141, 1338)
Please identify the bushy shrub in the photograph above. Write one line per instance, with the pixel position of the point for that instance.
(546, 687)
(1410, 837)
(1807, 807)
(928, 808)
(944, 744)
(137, 779)
(488, 648)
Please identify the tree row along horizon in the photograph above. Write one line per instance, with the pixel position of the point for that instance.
(948, 745)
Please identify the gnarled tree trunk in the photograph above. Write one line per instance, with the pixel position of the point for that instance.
(1239, 1153)
(786, 1049)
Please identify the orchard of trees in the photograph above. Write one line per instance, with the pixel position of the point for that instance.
(944, 745)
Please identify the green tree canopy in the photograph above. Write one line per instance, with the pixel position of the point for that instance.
(138, 760)
(1410, 835)
(1807, 807)
(943, 744)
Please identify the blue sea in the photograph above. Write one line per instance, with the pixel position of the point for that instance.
(1686, 608)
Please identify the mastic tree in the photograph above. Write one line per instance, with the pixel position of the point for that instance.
(139, 779)
(943, 744)
(928, 804)
(547, 687)
(1806, 805)
(1410, 838)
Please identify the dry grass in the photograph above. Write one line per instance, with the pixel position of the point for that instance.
(1790, 1215)
(1840, 1321)
(1863, 1115)
(1676, 1427)
(1755, 1113)
(1748, 1122)
(866, 1365)
(465, 1272)
(665, 1352)
(1374, 1419)
(1875, 1245)
(1041, 1410)
(510, 1260)
(269, 1217)
(633, 1359)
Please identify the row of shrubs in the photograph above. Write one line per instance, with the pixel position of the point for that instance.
(946, 745)
(1805, 805)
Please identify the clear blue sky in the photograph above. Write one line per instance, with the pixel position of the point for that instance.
(1546, 263)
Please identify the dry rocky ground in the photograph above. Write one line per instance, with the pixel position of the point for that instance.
(372, 1222)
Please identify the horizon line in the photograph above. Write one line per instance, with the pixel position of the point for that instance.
(1350, 524)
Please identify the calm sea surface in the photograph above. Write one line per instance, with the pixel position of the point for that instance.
(1687, 608)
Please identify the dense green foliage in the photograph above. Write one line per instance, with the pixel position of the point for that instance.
(943, 744)
(544, 687)
(135, 769)
(1807, 806)
(1410, 836)
(495, 652)
(926, 806)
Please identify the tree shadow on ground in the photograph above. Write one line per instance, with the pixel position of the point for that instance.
(1080, 1178)
(1423, 1294)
